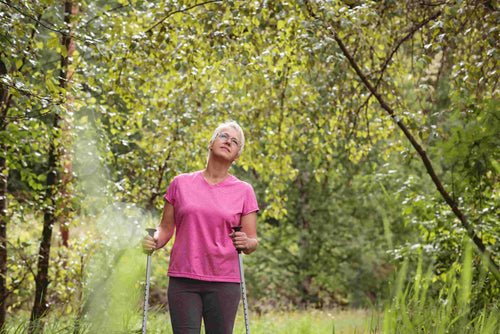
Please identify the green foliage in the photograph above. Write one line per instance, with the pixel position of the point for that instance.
(332, 247)
(342, 195)
(66, 276)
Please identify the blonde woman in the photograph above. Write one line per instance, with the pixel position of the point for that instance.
(201, 207)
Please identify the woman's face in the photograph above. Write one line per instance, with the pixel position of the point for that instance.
(227, 143)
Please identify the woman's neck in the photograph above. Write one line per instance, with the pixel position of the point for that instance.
(215, 173)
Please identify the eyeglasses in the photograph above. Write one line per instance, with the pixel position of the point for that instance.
(226, 137)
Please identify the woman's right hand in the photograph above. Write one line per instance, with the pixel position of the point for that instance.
(148, 244)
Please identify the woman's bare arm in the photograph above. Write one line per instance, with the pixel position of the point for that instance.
(164, 232)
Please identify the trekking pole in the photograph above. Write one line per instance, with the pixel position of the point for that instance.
(151, 232)
(243, 288)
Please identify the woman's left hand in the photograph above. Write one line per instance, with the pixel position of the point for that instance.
(246, 239)
(240, 240)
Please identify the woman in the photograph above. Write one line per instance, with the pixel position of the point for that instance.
(202, 207)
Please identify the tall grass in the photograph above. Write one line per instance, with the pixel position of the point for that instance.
(415, 308)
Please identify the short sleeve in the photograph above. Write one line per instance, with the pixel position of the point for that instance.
(250, 202)
(171, 193)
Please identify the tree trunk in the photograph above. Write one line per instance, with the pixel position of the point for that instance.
(40, 305)
(4, 97)
(54, 182)
(70, 10)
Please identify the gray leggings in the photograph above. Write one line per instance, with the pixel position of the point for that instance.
(189, 300)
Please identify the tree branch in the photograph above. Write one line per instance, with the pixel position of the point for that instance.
(161, 172)
(400, 42)
(494, 269)
(51, 27)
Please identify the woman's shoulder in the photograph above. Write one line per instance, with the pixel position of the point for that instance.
(235, 181)
(186, 176)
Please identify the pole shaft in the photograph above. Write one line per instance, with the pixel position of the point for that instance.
(146, 296)
(244, 293)
(151, 232)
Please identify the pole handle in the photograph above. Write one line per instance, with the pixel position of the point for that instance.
(237, 229)
(151, 233)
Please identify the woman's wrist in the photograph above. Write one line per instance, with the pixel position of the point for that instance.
(252, 246)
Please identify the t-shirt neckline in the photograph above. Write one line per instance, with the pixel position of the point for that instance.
(217, 184)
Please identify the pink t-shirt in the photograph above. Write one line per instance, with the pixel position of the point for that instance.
(204, 215)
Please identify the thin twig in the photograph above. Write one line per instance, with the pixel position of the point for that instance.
(179, 11)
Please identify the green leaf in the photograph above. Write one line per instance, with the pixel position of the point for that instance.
(53, 43)
(50, 85)
(63, 51)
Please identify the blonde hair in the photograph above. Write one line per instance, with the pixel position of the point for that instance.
(235, 126)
